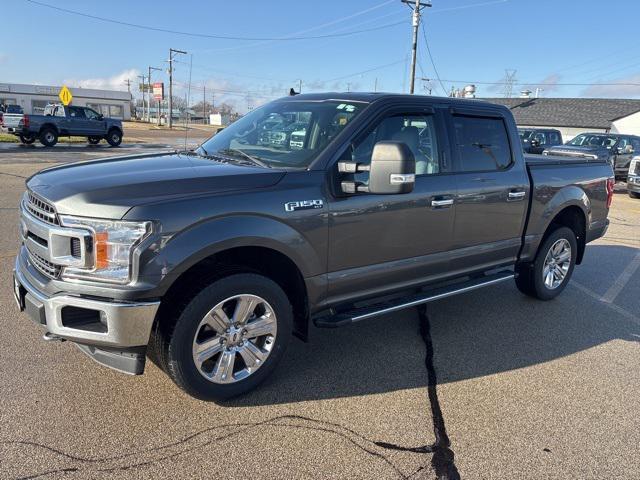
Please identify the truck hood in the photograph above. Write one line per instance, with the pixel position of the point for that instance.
(576, 151)
(109, 188)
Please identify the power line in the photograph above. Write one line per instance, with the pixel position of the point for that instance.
(435, 70)
(617, 84)
(206, 35)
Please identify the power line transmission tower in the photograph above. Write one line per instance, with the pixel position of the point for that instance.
(416, 6)
(172, 51)
(509, 82)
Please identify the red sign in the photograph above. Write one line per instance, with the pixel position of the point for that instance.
(158, 91)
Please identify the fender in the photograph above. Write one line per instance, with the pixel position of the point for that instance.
(190, 246)
(542, 213)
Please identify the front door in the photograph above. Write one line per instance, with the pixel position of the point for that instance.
(96, 125)
(378, 242)
(78, 121)
(493, 189)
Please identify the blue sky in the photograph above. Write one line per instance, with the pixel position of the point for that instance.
(548, 42)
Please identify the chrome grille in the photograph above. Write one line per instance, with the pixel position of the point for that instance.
(49, 269)
(41, 209)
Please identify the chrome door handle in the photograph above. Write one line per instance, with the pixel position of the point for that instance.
(516, 195)
(442, 203)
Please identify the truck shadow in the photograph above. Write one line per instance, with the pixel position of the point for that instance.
(489, 331)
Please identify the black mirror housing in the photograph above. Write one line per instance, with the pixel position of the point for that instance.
(392, 169)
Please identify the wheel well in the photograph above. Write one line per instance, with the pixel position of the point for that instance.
(573, 218)
(47, 126)
(264, 261)
(115, 128)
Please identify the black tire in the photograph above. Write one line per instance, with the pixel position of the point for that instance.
(173, 340)
(529, 276)
(27, 139)
(48, 137)
(114, 137)
(634, 194)
(94, 140)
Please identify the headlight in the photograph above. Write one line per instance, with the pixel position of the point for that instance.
(632, 166)
(113, 245)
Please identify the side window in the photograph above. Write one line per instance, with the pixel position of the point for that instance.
(59, 112)
(90, 114)
(554, 138)
(541, 137)
(418, 132)
(482, 143)
(75, 112)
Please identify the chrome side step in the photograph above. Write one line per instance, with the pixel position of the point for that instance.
(356, 315)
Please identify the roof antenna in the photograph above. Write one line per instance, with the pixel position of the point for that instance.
(186, 127)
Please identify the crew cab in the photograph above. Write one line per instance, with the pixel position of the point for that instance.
(60, 120)
(613, 148)
(536, 140)
(209, 261)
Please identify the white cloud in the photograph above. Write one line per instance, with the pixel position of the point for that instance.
(631, 89)
(116, 82)
(548, 85)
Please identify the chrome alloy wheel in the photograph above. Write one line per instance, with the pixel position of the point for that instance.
(49, 137)
(557, 264)
(234, 338)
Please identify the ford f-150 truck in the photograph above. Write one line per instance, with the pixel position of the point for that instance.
(209, 261)
(60, 120)
(614, 148)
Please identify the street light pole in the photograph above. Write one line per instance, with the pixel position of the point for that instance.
(171, 52)
(143, 95)
(150, 92)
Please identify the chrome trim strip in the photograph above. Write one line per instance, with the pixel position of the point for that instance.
(428, 299)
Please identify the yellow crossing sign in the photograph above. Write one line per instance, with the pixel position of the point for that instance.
(65, 96)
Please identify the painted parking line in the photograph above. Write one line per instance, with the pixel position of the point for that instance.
(621, 282)
(624, 312)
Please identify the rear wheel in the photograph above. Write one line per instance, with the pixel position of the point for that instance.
(547, 276)
(48, 137)
(94, 140)
(634, 194)
(114, 137)
(228, 338)
(28, 138)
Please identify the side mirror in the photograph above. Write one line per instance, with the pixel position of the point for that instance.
(100, 117)
(392, 170)
(535, 143)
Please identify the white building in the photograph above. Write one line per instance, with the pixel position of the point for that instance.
(33, 99)
(576, 115)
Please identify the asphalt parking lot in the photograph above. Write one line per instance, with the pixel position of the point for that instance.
(520, 388)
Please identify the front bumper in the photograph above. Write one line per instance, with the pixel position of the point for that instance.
(633, 183)
(87, 321)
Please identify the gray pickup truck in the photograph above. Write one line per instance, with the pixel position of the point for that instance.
(59, 120)
(209, 261)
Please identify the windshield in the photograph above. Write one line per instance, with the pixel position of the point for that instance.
(283, 134)
(591, 140)
(525, 134)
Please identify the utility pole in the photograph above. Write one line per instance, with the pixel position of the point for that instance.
(171, 53)
(150, 92)
(300, 86)
(375, 85)
(144, 88)
(416, 6)
(127, 82)
(204, 104)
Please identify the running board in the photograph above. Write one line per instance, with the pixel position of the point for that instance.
(355, 315)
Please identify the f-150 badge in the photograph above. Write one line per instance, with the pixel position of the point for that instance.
(303, 205)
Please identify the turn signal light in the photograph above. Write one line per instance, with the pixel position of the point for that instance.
(102, 253)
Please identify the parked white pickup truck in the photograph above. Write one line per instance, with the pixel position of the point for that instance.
(10, 116)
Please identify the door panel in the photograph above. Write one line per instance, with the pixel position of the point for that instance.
(492, 201)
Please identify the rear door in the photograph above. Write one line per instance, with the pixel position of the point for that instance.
(493, 188)
(78, 121)
(379, 242)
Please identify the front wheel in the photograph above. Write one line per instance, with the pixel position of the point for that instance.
(547, 276)
(114, 137)
(28, 138)
(229, 337)
(94, 140)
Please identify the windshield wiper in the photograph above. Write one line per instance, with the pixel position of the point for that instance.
(251, 158)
